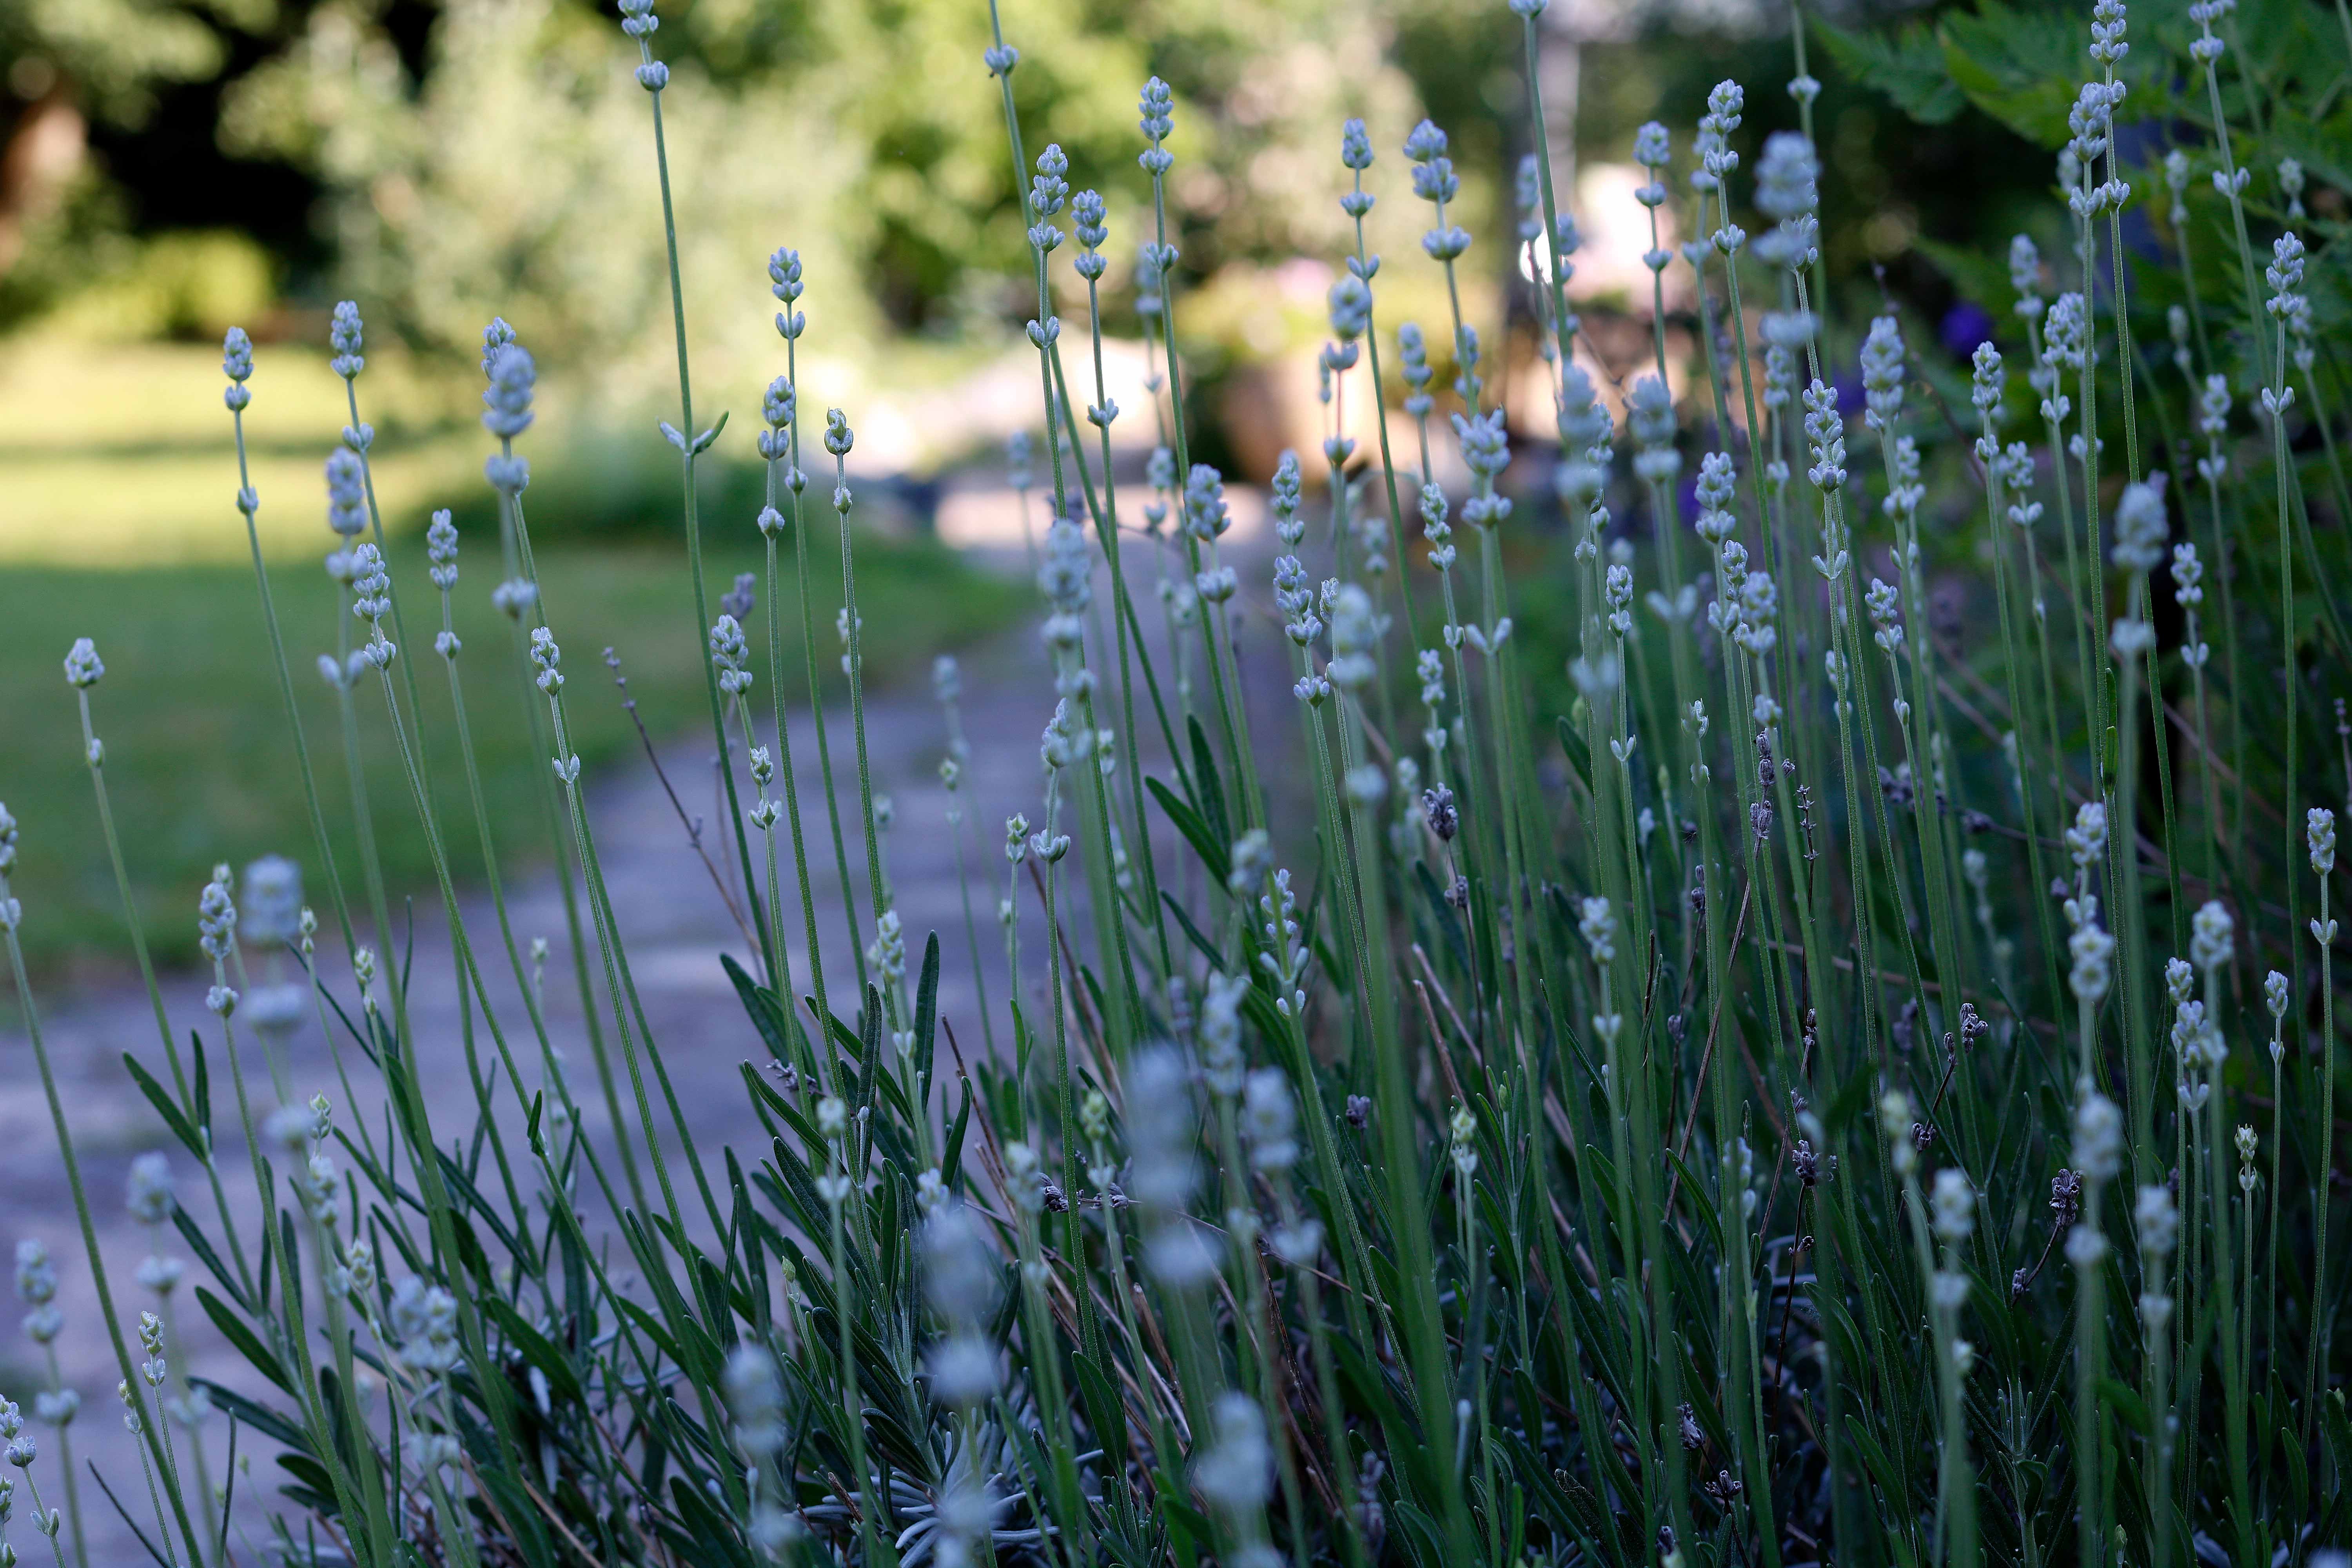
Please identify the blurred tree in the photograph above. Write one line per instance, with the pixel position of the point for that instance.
(447, 159)
(107, 110)
(866, 132)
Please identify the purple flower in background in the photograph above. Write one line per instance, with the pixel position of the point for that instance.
(1964, 325)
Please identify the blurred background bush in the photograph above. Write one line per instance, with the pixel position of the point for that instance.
(171, 164)
(171, 167)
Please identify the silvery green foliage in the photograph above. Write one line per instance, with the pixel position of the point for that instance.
(1453, 1090)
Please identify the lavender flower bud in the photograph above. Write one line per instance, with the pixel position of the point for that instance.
(2140, 526)
(1953, 1203)
(1157, 106)
(1786, 176)
(441, 551)
(346, 493)
(1351, 309)
(83, 667)
(1206, 517)
(273, 902)
(2098, 1137)
(755, 1400)
(236, 355)
(513, 375)
(343, 336)
(784, 275)
(2157, 1220)
(148, 1197)
(1881, 372)
(495, 336)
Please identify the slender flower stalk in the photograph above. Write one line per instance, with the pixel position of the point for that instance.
(2319, 837)
(640, 23)
(838, 438)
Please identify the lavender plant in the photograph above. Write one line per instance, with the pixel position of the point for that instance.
(1640, 1133)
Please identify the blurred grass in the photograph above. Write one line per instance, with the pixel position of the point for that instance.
(118, 471)
(201, 767)
(121, 455)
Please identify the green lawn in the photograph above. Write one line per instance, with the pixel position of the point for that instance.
(199, 756)
(114, 455)
(118, 473)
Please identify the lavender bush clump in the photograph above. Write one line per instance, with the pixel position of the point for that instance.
(1805, 1097)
